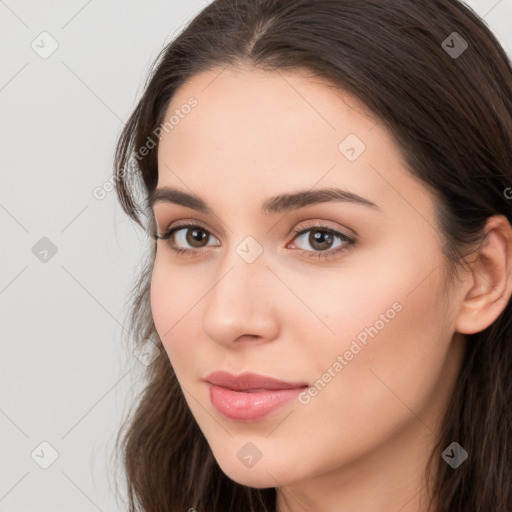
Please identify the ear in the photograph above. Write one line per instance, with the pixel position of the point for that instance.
(489, 280)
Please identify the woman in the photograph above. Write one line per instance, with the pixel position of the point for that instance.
(327, 185)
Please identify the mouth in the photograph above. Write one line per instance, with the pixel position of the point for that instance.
(250, 397)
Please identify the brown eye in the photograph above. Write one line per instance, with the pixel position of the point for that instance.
(196, 237)
(187, 238)
(320, 240)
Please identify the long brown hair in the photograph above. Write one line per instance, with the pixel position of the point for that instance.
(446, 100)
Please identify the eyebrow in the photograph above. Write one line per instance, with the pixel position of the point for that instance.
(273, 205)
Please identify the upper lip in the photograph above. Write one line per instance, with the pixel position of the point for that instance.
(249, 381)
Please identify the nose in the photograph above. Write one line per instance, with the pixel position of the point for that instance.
(242, 304)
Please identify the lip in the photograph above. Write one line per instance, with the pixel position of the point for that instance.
(249, 381)
(249, 396)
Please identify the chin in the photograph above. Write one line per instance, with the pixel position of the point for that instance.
(259, 480)
(260, 476)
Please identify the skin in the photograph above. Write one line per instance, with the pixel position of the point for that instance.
(362, 443)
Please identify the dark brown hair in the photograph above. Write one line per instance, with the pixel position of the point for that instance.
(450, 115)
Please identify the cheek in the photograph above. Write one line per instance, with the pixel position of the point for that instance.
(389, 347)
(161, 299)
(380, 310)
(172, 299)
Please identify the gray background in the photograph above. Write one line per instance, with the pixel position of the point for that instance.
(66, 376)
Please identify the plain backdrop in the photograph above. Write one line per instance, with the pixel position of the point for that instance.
(71, 72)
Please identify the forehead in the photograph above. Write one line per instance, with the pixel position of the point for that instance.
(264, 112)
(273, 130)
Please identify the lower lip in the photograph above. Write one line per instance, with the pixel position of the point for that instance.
(250, 406)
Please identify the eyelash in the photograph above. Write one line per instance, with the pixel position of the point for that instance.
(321, 255)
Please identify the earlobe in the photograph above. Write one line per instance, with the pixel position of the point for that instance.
(490, 278)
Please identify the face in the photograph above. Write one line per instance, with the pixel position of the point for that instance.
(340, 294)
